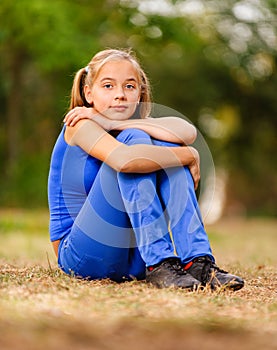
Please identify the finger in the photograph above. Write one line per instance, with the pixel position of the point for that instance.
(72, 120)
(196, 177)
(196, 183)
(75, 119)
(73, 111)
(69, 119)
(65, 118)
(68, 115)
(71, 116)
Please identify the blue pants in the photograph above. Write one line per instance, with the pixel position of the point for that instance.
(130, 221)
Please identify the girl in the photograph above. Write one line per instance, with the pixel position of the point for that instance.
(122, 190)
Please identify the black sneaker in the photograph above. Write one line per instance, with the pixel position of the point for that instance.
(170, 273)
(208, 273)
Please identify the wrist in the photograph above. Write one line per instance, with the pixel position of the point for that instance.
(113, 125)
(191, 156)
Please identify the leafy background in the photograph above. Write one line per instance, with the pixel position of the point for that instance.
(213, 61)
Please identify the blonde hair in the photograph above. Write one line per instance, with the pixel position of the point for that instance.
(87, 75)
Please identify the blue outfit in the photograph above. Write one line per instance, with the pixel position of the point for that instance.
(113, 225)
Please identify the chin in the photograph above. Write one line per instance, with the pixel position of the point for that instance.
(118, 115)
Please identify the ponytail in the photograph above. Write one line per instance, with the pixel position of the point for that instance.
(77, 92)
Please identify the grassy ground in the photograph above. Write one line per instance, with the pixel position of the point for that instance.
(41, 308)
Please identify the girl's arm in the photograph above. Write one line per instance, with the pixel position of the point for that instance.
(138, 158)
(171, 129)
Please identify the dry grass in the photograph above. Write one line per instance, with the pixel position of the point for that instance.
(41, 308)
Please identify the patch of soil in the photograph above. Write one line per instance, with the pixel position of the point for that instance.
(126, 335)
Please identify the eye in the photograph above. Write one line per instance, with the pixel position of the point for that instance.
(107, 86)
(130, 86)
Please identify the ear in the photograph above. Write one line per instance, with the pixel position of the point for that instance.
(88, 94)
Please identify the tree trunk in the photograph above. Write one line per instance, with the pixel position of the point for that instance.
(14, 111)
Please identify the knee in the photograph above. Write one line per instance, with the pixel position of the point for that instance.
(134, 136)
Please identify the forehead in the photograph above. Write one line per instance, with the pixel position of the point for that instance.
(118, 70)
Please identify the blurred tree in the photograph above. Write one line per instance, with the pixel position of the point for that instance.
(214, 61)
(41, 42)
(220, 69)
(23, 27)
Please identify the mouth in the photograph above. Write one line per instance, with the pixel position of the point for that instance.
(119, 108)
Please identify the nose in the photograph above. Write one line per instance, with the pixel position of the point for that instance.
(120, 95)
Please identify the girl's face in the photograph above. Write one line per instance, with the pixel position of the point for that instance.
(116, 91)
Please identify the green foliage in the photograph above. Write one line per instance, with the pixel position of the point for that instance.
(216, 65)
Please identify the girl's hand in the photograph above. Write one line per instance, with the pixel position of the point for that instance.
(78, 113)
(194, 167)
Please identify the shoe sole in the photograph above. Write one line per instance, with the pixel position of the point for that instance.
(229, 286)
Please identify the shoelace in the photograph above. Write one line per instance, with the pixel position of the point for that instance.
(176, 266)
(208, 268)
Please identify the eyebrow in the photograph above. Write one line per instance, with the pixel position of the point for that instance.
(107, 78)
